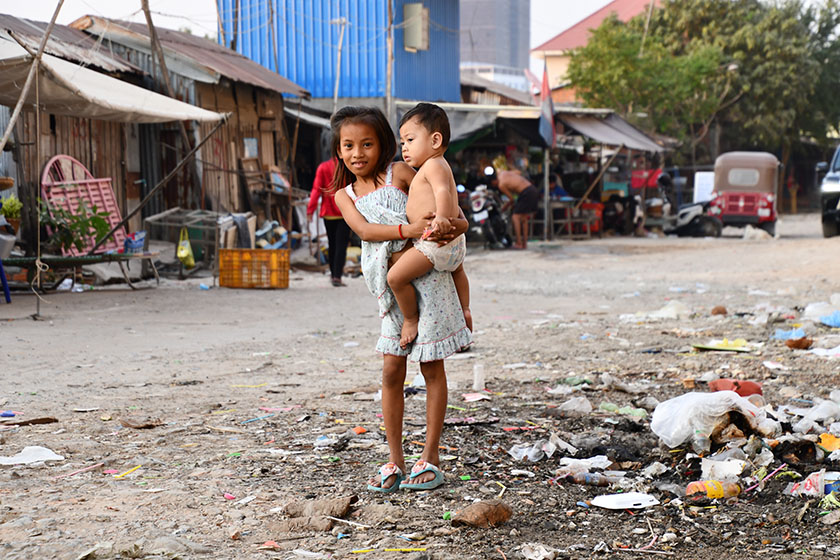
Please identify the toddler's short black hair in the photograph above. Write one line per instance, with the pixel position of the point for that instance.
(432, 117)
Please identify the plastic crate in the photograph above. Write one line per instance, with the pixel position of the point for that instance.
(254, 268)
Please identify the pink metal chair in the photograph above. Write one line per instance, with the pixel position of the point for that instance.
(65, 182)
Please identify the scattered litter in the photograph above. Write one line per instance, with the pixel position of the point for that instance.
(826, 352)
(799, 343)
(626, 500)
(31, 454)
(128, 472)
(654, 469)
(728, 470)
(774, 366)
(535, 551)
(30, 421)
(724, 345)
(743, 388)
(832, 320)
(86, 469)
(703, 418)
(474, 397)
(672, 310)
(576, 406)
(792, 334)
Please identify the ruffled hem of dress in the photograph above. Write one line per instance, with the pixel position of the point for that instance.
(391, 347)
(440, 349)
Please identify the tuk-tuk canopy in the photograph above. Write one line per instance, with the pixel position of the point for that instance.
(746, 172)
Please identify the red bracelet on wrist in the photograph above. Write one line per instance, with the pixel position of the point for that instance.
(399, 231)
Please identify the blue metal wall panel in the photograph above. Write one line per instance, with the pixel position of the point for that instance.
(431, 75)
(307, 43)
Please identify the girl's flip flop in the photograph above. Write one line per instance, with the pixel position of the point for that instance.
(386, 471)
(419, 468)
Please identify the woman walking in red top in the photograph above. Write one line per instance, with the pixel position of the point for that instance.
(338, 232)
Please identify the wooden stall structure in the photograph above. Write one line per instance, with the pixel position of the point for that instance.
(212, 77)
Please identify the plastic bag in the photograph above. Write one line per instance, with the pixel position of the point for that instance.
(185, 253)
(823, 410)
(700, 416)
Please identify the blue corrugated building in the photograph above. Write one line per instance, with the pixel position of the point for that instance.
(299, 39)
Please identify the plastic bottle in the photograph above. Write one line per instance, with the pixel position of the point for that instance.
(713, 488)
(478, 377)
(591, 479)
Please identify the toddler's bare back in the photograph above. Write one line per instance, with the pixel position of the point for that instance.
(421, 196)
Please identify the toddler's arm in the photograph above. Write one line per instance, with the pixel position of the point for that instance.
(439, 178)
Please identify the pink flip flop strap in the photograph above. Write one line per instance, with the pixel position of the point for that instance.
(422, 465)
(389, 469)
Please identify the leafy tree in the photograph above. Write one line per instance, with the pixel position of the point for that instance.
(755, 73)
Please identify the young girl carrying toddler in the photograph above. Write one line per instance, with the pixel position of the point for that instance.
(372, 195)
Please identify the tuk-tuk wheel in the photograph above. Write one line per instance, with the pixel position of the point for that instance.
(829, 228)
(706, 226)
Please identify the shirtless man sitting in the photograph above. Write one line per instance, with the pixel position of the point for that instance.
(526, 196)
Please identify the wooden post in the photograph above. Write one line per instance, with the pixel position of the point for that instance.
(157, 51)
(597, 179)
(547, 215)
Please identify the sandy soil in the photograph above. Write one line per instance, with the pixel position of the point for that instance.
(201, 363)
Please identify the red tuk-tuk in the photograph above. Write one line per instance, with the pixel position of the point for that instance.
(746, 190)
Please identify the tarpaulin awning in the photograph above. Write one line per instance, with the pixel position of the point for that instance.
(469, 122)
(66, 88)
(612, 130)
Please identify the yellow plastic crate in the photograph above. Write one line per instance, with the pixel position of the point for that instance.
(254, 268)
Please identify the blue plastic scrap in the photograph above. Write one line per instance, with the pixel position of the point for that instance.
(832, 320)
(793, 334)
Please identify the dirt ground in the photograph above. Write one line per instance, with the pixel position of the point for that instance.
(217, 471)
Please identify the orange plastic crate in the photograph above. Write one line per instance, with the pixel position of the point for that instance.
(254, 268)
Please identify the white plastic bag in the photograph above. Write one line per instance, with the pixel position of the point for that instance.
(695, 416)
(823, 410)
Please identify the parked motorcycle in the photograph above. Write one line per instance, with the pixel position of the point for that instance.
(487, 219)
(693, 220)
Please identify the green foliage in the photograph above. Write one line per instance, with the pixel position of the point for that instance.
(764, 72)
(73, 229)
(11, 207)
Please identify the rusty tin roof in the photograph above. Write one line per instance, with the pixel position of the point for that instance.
(205, 55)
(65, 42)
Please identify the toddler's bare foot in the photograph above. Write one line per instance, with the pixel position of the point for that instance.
(409, 331)
(468, 318)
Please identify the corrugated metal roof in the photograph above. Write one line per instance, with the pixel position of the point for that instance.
(67, 43)
(474, 80)
(204, 54)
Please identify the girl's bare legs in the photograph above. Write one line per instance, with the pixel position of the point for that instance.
(412, 264)
(393, 405)
(436, 398)
(462, 286)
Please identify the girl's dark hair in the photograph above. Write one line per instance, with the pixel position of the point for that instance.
(372, 117)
